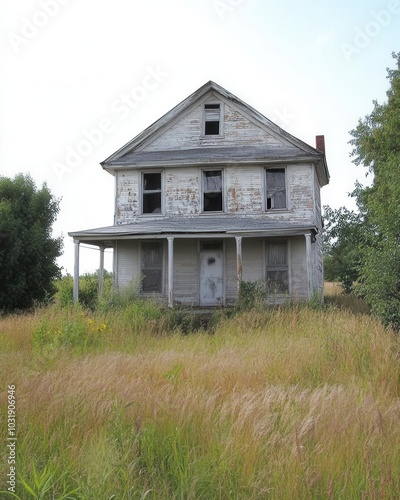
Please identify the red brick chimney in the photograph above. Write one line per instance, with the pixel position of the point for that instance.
(320, 143)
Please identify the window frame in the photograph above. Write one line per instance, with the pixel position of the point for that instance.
(143, 192)
(286, 267)
(141, 259)
(283, 169)
(220, 121)
(204, 192)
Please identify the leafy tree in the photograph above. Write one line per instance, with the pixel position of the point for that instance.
(27, 250)
(376, 145)
(346, 233)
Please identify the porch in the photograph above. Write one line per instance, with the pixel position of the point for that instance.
(206, 269)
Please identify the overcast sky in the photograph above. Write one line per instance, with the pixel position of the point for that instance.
(80, 78)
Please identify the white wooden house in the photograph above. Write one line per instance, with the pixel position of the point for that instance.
(210, 195)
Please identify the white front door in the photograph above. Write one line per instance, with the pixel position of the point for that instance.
(211, 277)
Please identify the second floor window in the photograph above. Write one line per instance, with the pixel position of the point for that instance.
(151, 203)
(212, 191)
(276, 188)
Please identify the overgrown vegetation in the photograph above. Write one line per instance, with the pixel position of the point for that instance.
(134, 401)
(363, 247)
(28, 251)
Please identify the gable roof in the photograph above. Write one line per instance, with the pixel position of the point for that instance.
(295, 149)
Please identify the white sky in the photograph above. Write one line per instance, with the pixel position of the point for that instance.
(313, 67)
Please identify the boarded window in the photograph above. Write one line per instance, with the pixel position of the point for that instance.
(212, 118)
(152, 193)
(277, 267)
(276, 188)
(212, 191)
(152, 266)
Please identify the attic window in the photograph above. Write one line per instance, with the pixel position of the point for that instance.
(212, 119)
(152, 193)
(276, 188)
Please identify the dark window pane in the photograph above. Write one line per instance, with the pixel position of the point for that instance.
(152, 281)
(152, 182)
(211, 128)
(277, 254)
(152, 266)
(277, 281)
(151, 203)
(211, 106)
(152, 255)
(277, 268)
(276, 189)
(213, 202)
(211, 245)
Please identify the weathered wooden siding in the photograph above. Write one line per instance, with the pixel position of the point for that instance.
(186, 272)
(127, 262)
(230, 272)
(300, 191)
(298, 265)
(253, 259)
(318, 247)
(182, 191)
(187, 132)
(244, 192)
(186, 267)
(127, 196)
(244, 189)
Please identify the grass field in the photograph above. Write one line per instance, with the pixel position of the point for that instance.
(290, 403)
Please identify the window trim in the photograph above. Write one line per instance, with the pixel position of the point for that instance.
(141, 254)
(221, 120)
(271, 168)
(203, 192)
(143, 192)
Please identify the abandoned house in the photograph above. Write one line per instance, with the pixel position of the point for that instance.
(211, 195)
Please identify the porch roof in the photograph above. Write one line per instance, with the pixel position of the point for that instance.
(202, 226)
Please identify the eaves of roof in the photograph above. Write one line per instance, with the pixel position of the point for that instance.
(199, 226)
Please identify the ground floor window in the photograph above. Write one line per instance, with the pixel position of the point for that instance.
(277, 266)
(152, 266)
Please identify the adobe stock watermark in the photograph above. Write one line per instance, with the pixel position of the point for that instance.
(11, 438)
(283, 116)
(373, 28)
(225, 7)
(30, 28)
(121, 107)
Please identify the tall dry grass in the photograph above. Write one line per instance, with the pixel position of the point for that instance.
(281, 404)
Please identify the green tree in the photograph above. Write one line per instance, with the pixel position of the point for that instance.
(27, 250)
(345, 232)
(376, 145)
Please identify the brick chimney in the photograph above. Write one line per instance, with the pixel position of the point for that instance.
(320, 143)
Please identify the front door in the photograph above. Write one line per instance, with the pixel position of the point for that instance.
(211, 274)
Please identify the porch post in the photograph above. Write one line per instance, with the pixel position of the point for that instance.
(101, 271)
(170, 271)
(76, 272)
(309, 265)
(239, 265)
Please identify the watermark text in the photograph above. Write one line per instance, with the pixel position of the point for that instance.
(364, 36)
(30, 27)
(225, 7)
(121, 107)
(11, 438)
